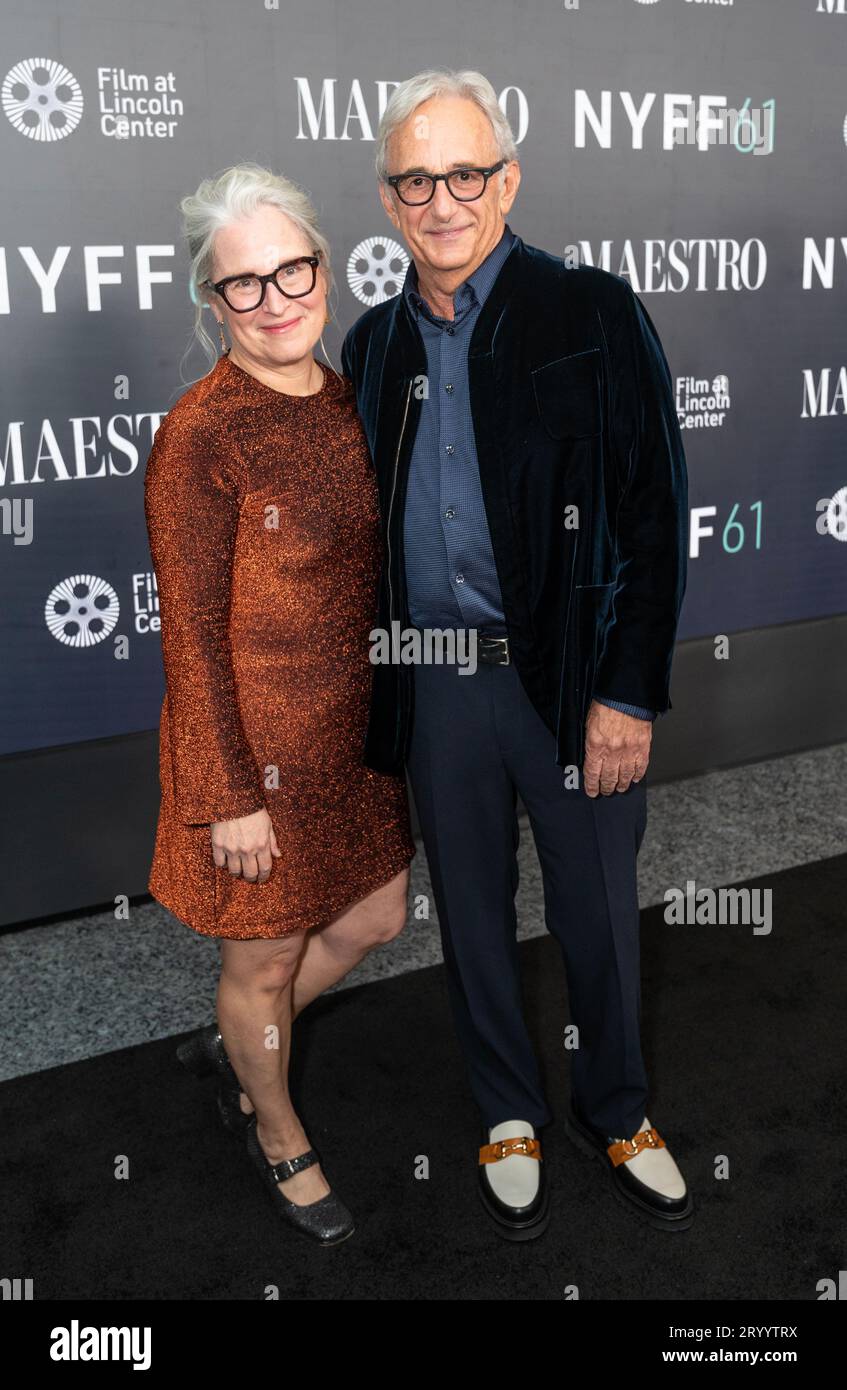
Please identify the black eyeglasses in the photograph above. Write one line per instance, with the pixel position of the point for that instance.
(245, 292)
(464, 184)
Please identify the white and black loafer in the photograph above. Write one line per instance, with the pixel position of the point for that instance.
(643, 1173)
(512, 1180)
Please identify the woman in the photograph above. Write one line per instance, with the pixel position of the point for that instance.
(262, 514)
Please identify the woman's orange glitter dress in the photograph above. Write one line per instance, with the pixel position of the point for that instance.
(263, 520)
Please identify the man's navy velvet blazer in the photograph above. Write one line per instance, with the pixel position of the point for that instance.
(573, 407)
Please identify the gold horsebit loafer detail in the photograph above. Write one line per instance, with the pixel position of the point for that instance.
(625, 1149)
(502, 1148)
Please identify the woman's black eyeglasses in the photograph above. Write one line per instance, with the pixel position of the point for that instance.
(245, 292)
(464, 184)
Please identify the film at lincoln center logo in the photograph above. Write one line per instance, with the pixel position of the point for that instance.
(81, 610)
(42, 99)
(376, 269)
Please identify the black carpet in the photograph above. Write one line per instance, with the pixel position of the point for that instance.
(744, 1040)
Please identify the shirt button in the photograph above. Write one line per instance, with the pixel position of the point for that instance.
(451, 331)
(450, 513)
(449, 386)
(460, 579)
(448, 449)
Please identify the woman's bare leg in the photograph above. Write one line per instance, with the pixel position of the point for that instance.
(264, 984)
(331, 951)
(254, 1016)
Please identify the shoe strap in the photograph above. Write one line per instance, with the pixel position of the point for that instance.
(503, 1148)
(287, 1167)
(625, 1149)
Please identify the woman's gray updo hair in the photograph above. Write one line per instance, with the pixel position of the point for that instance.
(227, 197)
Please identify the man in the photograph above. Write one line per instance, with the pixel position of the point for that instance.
(533, 490)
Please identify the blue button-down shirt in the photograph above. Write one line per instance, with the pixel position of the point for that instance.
(451, 575)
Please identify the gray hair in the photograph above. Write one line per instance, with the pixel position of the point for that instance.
(436, 82)
(225, 198)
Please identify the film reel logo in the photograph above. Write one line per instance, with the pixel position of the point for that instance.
(42, 99)
(81, 610)
(376, 269)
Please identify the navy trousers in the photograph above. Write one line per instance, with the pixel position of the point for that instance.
(476, 742)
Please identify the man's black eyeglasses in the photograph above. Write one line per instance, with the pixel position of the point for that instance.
(465, 184)
(245, 292)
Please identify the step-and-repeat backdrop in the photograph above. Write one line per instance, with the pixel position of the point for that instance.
(697, 147)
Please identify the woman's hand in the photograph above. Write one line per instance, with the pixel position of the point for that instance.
(245, 846)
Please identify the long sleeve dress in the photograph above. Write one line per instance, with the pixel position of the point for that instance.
(263, 520)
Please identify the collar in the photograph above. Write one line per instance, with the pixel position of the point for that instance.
(475, 289)
(405, 344)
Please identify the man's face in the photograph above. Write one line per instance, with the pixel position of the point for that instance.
(445, 234)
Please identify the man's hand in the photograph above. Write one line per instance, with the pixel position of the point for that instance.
(245, 846)
(617, 749)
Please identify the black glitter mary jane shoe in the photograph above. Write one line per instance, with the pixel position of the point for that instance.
(326, 1221)
(204, 1054)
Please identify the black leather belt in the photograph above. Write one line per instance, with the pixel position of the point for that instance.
(493, 650)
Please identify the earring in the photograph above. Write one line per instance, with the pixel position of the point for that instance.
(223, 339)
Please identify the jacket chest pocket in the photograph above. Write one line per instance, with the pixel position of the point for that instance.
(568, 395)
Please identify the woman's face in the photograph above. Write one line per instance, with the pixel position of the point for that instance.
(281, 331)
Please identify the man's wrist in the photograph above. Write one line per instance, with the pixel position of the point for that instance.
(637, 711)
